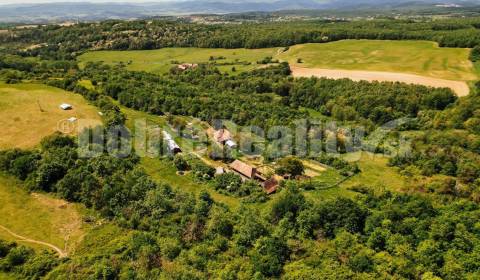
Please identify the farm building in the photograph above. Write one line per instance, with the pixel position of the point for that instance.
(243, 169)
(172, 146)
(66, 106)
(270, 186)
(224, 137)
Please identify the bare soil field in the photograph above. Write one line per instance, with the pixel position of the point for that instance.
(459, 87)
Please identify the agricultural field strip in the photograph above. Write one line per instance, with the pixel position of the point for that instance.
(460, 88)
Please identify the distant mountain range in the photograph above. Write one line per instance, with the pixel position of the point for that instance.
(98, 11)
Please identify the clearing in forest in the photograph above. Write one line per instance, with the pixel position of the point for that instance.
(30, 112)
(38, 220)
(162, 60)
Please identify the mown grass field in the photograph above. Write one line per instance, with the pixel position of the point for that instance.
(161, 61)
(414, 57)
(30, 112)
(39, 217)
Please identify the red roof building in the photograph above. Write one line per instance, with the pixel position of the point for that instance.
(271, 185)
(243, 169)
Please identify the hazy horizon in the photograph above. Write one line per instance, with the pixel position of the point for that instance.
(5, 2)
(92, 1)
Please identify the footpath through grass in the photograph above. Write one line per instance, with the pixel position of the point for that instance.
(39, 217)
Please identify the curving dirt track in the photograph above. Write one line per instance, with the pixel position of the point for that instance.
(61, 253)
(459, 87)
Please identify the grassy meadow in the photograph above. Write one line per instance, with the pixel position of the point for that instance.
(38, 217)
(375, 172)
(414, 57)
(30, 112)
(160, 61)
(5, 276)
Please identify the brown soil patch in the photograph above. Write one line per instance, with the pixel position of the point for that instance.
(459, 87)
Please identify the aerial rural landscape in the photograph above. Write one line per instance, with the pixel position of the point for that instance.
(240, 140)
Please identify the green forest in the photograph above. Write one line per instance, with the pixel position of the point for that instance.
(146, 228)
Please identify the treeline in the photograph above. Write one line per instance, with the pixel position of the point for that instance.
(379, 102)
(453, 154)
(243, 101)
(14, 68)
(67, 42)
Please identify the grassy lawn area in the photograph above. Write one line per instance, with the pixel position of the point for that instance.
(160, 61)
(39, 217)
(375, 173)
(415, 57)
(30, 112)
(163, 171)
(328, 177)
(5, 276)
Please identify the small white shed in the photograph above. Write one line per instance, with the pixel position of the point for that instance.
(66, 106)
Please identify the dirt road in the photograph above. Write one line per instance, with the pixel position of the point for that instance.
(460, 88)
(61, 253)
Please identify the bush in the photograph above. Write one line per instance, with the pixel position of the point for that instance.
(230, 182)
(475, 54)
(180, 163)
(290, 166)
(17, 256)
(202, 171)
